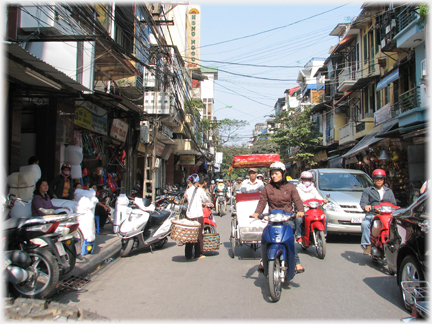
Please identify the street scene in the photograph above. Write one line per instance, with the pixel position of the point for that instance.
(176, 161)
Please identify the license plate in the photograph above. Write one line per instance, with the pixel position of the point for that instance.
(356, 220)
(60, 248)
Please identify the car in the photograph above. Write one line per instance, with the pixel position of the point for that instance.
(293, 181)
(345, 187)
(405, 250)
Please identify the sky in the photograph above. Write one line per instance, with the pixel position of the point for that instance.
(272, 41)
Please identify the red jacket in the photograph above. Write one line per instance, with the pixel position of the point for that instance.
(279, 197)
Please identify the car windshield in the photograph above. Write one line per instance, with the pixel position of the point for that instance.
(343, 181)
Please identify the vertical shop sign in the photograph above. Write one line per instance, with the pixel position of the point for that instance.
(119, 130)
(193, 33)
(382, 114)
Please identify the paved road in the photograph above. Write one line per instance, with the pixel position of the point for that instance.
(162, 285)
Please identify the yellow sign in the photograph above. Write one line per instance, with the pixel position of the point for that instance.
(193, 32)
(83, 118)
(187, 159)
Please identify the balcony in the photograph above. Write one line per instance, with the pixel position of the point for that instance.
(132, 87)
(347, 78)
(185, 146)
(409, 32)
(410, 108)
(346, 133)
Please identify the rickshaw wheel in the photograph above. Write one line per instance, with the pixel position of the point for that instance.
(233, 237)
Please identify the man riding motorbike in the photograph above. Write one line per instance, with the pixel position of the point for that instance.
(220, 186)
(372, 196)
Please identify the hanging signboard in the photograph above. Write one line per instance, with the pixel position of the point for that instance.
(383, 114)
(187, 159)
(91, 117)
(119, 130)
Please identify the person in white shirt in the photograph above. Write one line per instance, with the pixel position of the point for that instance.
(306, 190)
(252, 184)
(196, 197)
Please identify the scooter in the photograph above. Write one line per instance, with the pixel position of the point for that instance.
(313, 227)
(277, 251)
(380, 229)
(144, 225)
(220, 203)
(208, 221)
(20, 235)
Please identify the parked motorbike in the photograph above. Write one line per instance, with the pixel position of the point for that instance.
(220, 203)
(277, 250)
(43, 269)
(313, 227)
(71, 238)
(380, 229)
(144, 225)
(416, 297)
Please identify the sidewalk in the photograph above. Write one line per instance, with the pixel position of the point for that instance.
(107, 246)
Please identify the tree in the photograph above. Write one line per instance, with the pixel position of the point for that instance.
(225, 130)
(265, 146)
(229, 151)
(295, 129)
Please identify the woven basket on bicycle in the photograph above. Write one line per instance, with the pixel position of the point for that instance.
(184, 233)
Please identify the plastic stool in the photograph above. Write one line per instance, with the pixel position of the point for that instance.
(97, 224)
(88, 247)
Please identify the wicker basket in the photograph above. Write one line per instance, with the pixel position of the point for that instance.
(211, 242)
(185, 233)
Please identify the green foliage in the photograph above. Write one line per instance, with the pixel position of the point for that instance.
(265, 146)
(205, 125)
(423, 12)
(191, 107)
(294, 128)
(229, 151)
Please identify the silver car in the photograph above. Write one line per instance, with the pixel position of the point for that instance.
(345, 186)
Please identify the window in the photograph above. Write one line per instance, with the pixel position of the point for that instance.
(386, 95)
(423, 68)
(357, 57)
(378, 94)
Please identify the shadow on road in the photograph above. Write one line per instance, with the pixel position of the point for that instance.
(365, 260)
(387, 288)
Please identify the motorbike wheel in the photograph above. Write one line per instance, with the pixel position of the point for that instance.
(217, 208)
(233, 237)
(126, 247)
(209, 229)
(224, 207)
(221, 212)
(321, 244)
(161, 243)
(274, 279)
(46, 276)
(71, 260)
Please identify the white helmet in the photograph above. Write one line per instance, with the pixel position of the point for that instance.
(278, 166)
(306, 175)
(212, 181)
(260, 175)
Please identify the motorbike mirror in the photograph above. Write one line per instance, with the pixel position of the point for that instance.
(328, 196)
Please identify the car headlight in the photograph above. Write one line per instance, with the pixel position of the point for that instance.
(331, 206)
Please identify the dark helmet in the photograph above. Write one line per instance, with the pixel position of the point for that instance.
(66, 166)
(379, 173)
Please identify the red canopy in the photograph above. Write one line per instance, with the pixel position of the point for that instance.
(253, 161)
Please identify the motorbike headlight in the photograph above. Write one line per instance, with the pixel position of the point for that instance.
(314, 204)
(331, 206)
(278, 217)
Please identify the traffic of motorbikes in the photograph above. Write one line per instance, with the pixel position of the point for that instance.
(38, 250)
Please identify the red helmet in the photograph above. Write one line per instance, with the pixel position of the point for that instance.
(379, 173)
(66, 165)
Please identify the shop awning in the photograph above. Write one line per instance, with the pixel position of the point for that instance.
(23, 67)
(363, 82)
(337, 162)
(388, 79)
(401, 130)
(343, 97)
(371, 138)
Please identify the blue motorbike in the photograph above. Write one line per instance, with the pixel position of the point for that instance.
(277, 251)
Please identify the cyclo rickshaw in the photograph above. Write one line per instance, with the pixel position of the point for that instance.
(245, 230)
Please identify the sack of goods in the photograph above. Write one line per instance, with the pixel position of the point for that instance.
(185, 230)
